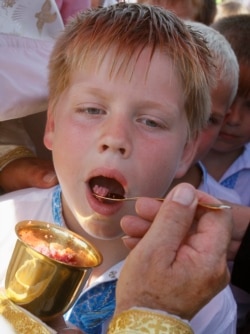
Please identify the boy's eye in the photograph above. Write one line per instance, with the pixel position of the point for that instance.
(215, 120)
(93, 111)
(150, 123)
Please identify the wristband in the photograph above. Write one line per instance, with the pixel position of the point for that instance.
(138, 321)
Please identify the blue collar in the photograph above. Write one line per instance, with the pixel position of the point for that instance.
(57, 206)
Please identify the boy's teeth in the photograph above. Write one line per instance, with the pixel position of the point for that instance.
(101, 191)
(106, 187)
(104, 192)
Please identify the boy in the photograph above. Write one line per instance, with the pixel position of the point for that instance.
(229, 159)
(129, 90)
(222, 95)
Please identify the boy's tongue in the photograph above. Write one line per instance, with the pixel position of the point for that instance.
(107, 187)
(101, 191)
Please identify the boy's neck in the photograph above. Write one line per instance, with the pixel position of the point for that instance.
(217, 163)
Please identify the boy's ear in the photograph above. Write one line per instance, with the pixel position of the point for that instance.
(49, 129)
(188, 156)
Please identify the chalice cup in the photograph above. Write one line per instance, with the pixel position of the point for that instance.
(48, 269)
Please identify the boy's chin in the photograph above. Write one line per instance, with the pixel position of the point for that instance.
(101, 231)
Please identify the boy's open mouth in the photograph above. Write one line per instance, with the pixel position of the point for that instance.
(106, 187)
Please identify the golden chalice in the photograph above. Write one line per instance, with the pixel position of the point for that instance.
(48, 269)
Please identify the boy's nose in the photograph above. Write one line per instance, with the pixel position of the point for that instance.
(233, 119)
(122, 150)
(116, 138)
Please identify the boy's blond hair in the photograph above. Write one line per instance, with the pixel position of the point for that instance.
(128, 29)
(225, 60)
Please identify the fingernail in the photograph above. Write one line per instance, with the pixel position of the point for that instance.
(183, 195)
(48, 178)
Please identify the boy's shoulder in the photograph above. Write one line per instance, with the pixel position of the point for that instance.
(214, 188)
(30, 203)
(240, 164)
(27, 194)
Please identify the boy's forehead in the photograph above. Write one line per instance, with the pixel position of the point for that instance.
(147, 79)
(223, 93)
(118, 64)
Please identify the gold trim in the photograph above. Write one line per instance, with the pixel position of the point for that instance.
(137, 321)
(16, 153)
(21, 320)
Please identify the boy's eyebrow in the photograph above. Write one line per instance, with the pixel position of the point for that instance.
(141, 104)
(156, 105)
(77, 89)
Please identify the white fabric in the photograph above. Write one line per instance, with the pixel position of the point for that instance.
(219, 316)
(245, 3)
(214, 188)
(23, 75)
(241, 166)
(6, 326)
(39, 19)
(113, 2)
(28, 30)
